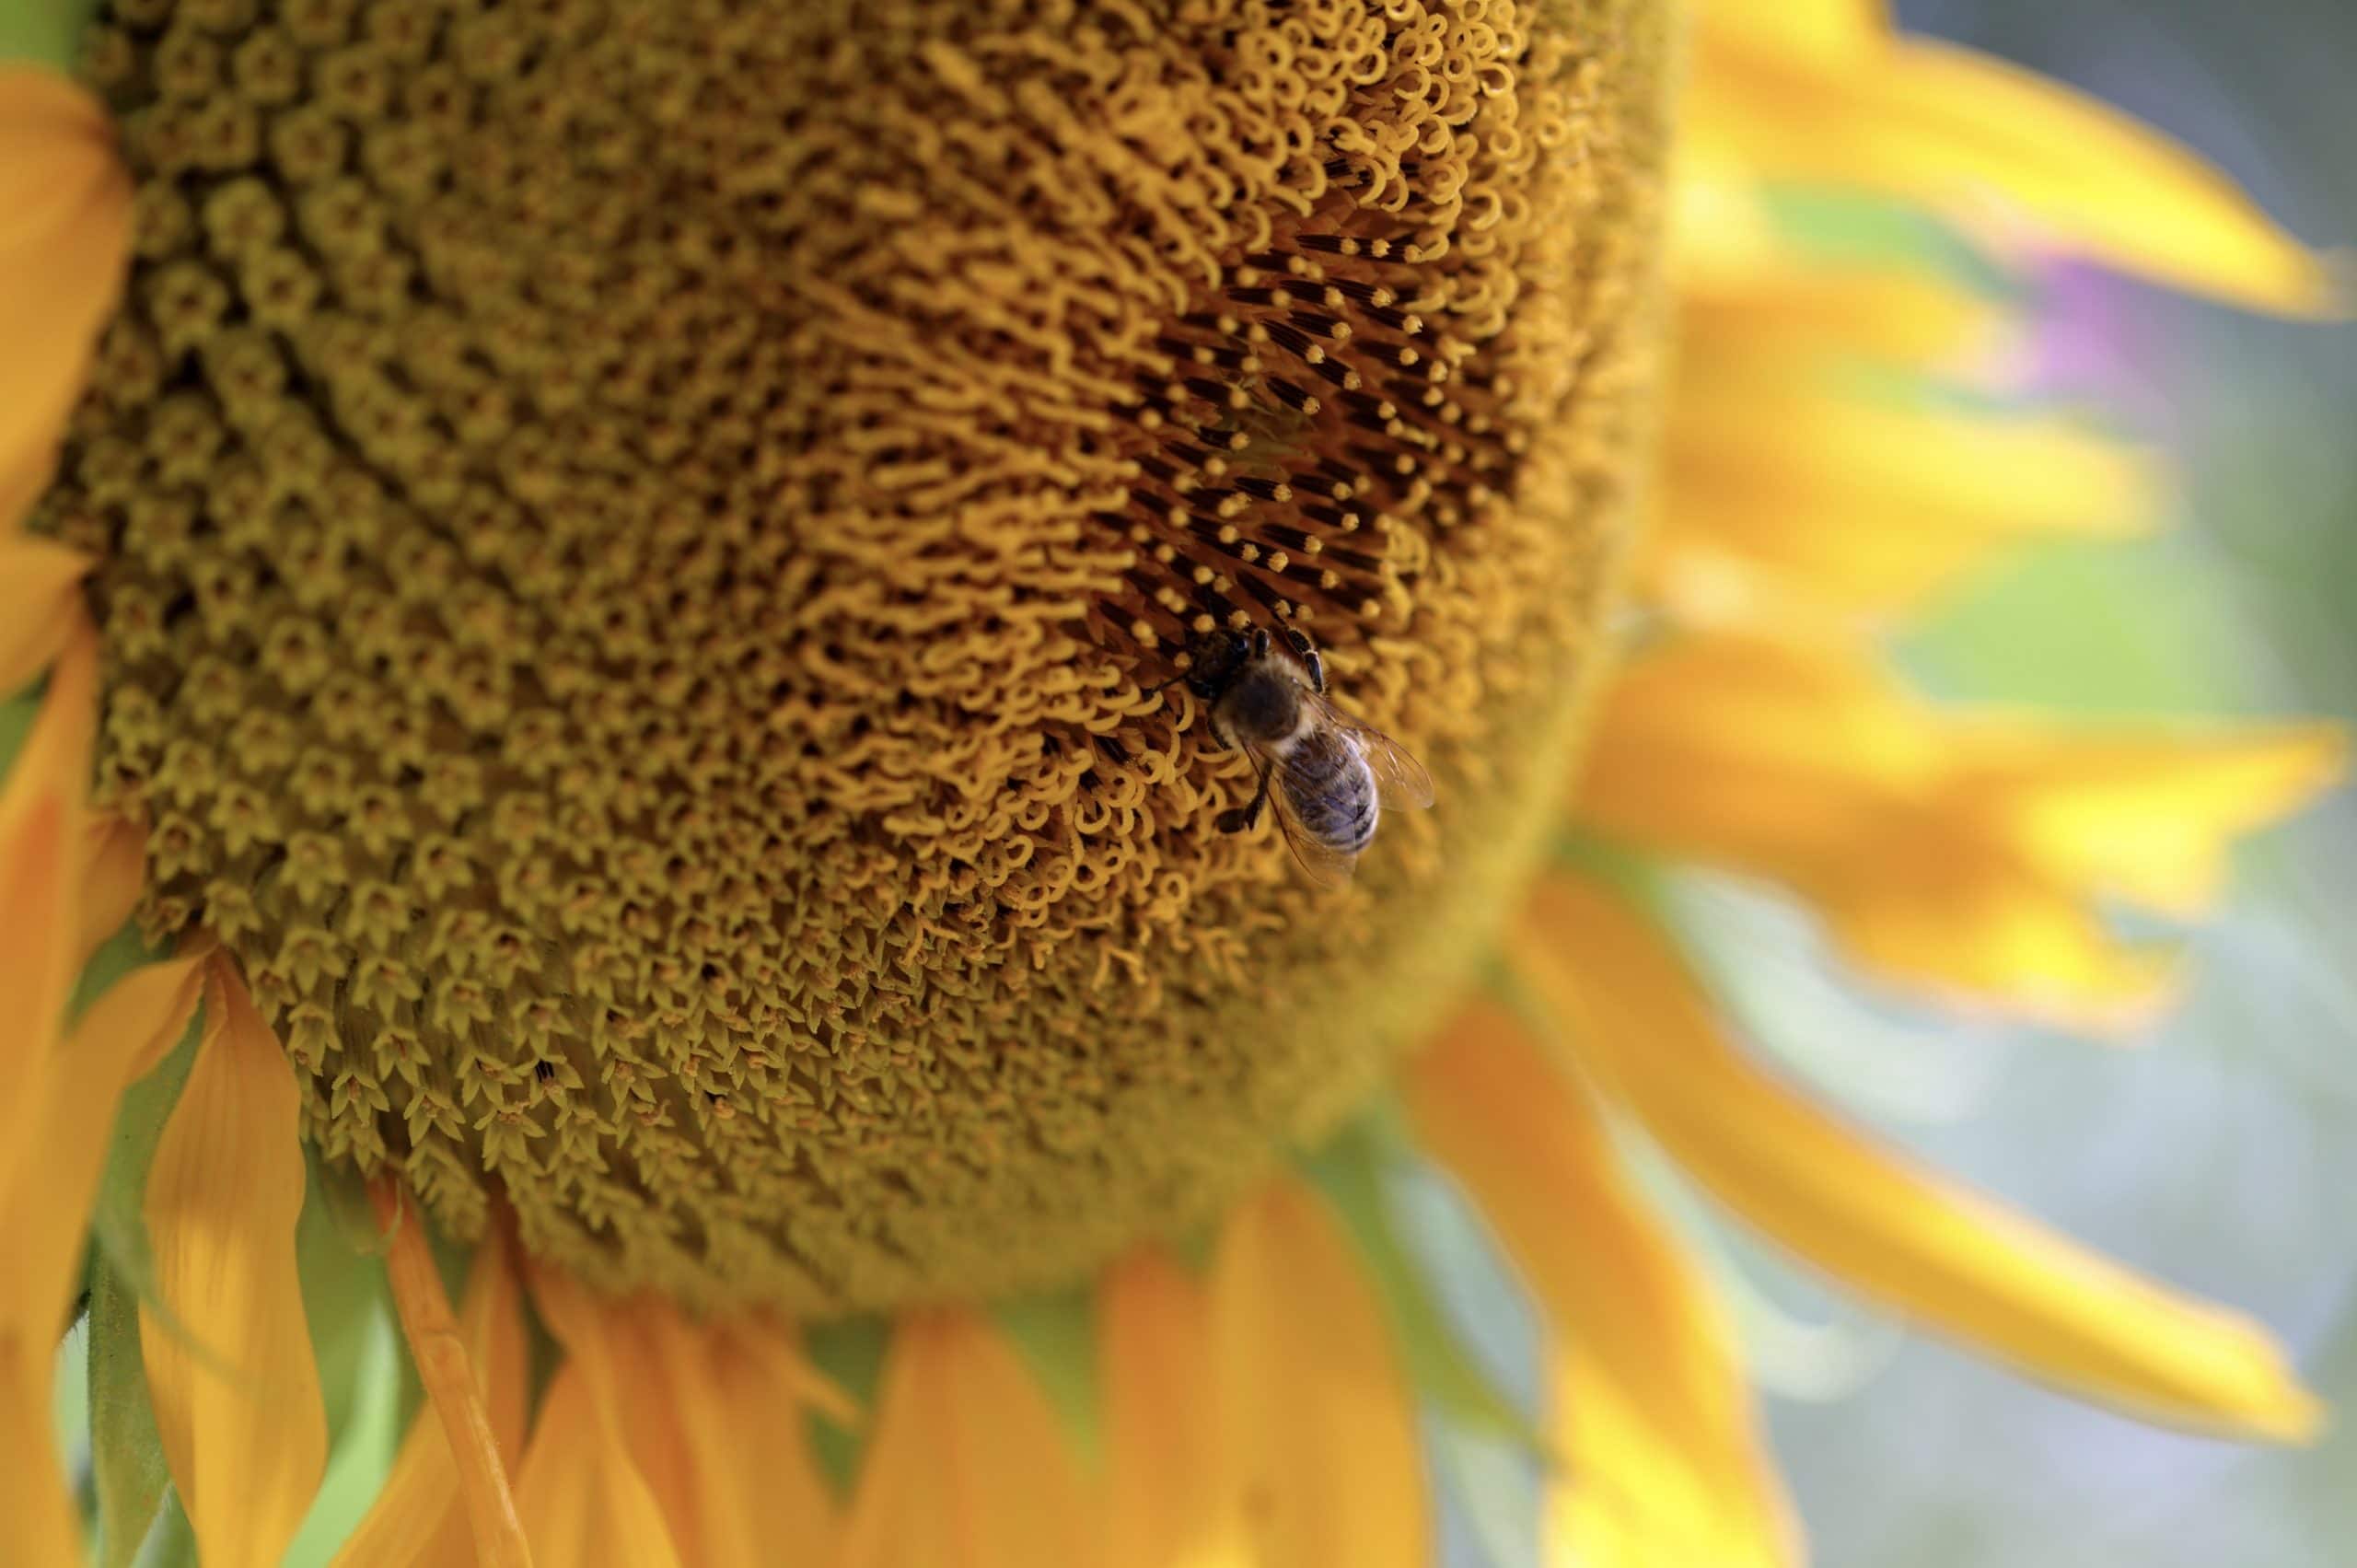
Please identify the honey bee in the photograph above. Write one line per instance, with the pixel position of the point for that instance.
(1329, 775)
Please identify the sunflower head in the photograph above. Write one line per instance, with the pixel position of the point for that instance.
(642, 549)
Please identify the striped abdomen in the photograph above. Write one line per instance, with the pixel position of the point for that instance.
(1331, 790)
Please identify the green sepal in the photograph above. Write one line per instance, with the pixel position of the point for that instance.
(1349, 1173)
(127, 1467)
(172, 1543)
(851, 1354)
(1055, 1335)
(48, 32)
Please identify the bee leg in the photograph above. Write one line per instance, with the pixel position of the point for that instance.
(1307, 651)
(1237, 819)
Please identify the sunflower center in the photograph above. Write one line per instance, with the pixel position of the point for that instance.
(640, 542)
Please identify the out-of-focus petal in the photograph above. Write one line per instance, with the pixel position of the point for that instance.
(1960, 131)
(41, 600)
(966, 1462)
(581, 1493)
(229, 1351)
(1154, 1341)
(1947, 1258)
(1664, 1459)
(1314, 1444)
(65, 241)
(765, 1387)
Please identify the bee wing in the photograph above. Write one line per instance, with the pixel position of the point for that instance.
(1400, 780)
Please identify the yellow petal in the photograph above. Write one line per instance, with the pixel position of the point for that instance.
(581, 1491)
(1665, 1460)
(764, 1387)
(1853, 505)
(114, 864)
(731, 1455)
(966, 1463)
(42, 1520)
(45, 1199)
(1316, 1440)
(65, 241)
(430, 1488)
(1785, 313)
(1825, 28)
(40, 817)
(237, 1401)
(41, 599)
(1945, 1258)
(1960, 131)
(583, 1503)
(1154, 1342)
(2148, 818)
(417, 1517)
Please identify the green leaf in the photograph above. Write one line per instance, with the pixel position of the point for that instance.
(47, 31)
(126, 1452)
(1349, 1172)
(1056, 1336)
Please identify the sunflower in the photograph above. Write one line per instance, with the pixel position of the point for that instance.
(593, 602)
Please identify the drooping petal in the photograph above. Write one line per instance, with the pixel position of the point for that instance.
(229, 1354)
(1315, 1441)
(114, 864)
(41, 600)
(1153, 1342)
(462, 1479)
(1959, 131)
(1944, 1257)
(64, 241)
(581, 1500)
(740, 1438)
(583, 1497)
(1663, 1456)
(966, 1462)
(764, 1389)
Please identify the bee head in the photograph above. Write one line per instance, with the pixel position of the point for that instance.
(1215, 657)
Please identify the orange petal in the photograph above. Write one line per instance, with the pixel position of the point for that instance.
(114, 866)
(417, 1517)
(1315, 1437)
(65, 242)
(1665, 1458)
(966, 1463)
(764, 1387)
(582, 1492)
(237, 1400)
(41, 598)
(42, 1523)
(1153, 1342)
(1945, 1258)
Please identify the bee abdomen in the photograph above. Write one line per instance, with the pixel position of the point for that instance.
(1334, 793)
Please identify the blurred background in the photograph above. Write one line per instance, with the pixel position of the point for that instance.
(2222, 1156)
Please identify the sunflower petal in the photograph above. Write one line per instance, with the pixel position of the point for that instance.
(65, 241)
(1154, 1351)
(34, 1499)
(583, 1503)
(764, 1386)
(1664, 1460)
(238, 1399)
(1316, 1441)
(587, 1490)
(431, 1503)
(1958, 130)
(114, 866)
(39, 600)
(1945, 1258)
(966, 1463)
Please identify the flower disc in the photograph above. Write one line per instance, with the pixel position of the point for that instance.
(640, 538)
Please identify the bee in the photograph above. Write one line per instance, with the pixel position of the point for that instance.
(1329, 775)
